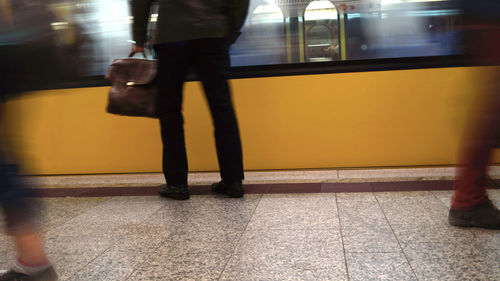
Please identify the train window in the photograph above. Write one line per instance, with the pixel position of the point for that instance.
(321, 25)
(413, 28)
(105, 28)
(320, 45)
(279, 32)
(263, 38)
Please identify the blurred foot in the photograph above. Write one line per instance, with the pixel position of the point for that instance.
(177, 192)
(234, 189)
(484, 215)
(48, 274)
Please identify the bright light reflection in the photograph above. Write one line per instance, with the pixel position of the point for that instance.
(320, 10)
(267, 13)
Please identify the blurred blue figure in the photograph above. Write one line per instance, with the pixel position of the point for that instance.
(23, 37)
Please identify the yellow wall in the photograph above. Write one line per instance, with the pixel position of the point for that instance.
(388, 118)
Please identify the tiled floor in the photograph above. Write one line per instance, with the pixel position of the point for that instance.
(315, 236)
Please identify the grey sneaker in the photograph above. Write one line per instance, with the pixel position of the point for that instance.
(234, 189)
(48, 274)
(177, 192)
(484, 215)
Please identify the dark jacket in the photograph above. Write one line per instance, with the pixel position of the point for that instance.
(180, 20)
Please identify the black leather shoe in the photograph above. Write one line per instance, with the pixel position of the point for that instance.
(177, 192)
(234, 189)
(484, 215)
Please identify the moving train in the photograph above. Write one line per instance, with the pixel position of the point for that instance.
(316, 84)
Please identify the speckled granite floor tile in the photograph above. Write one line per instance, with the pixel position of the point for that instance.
(357, 196)
(119, 210)
(270, 237)
(295, 211)
(471, 248)
(220, 202)
(400, 173)
(5, 243)
(136, 244)
(150, 179)
(172, 217)
(427, 233)
(444, 196)
(142, 200)
(370, 239)
(228, 208)
(217, 219)
(422, 219)
(403, 195)
(71, 255)
(152, 201)
(418, 210)
(364, 241)
(56, 211)
(81, 239)
(194, 202)
(379, 266)
(355, 213)
(309, 176)
(174, 213)
(365, 228)
(486, 238)
(7, 259)
(423, 208)
(185, 260)
(451, 262)
(213, 226)
(287, 255)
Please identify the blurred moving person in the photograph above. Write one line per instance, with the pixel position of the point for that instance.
(470, 205)
(21, 221)
(16, 69)
(195, 34)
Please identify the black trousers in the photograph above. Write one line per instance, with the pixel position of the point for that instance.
(20, 212)
(209, 58)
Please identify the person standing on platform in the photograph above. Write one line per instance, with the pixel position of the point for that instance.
(194, 34)
(470, 205)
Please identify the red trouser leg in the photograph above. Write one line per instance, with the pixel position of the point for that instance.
(470, 184)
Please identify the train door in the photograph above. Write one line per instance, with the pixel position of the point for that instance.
(322, 31)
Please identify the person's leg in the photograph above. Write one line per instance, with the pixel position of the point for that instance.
(20, 211)
(212, 63)
(470, 205)
(21, 221)
(30, 249)
(471, 181)
(172, 68)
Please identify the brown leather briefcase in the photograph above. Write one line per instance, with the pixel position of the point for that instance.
(133, 91)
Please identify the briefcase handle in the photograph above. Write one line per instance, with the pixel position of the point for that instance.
(134, 52)
(144, 55)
